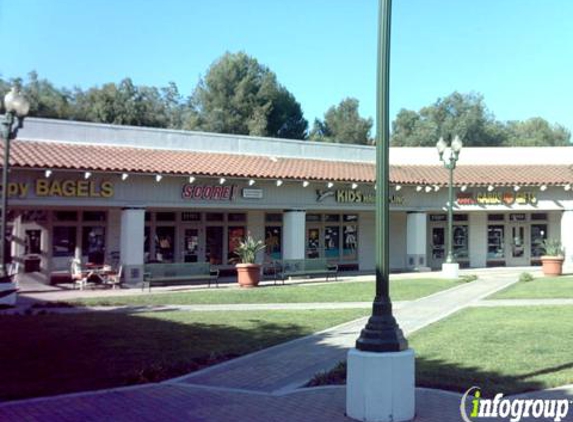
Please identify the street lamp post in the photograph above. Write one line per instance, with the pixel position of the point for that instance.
(450, 268)
(380, 370)
(17, 108)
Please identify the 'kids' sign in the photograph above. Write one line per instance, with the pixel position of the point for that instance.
(208, 192)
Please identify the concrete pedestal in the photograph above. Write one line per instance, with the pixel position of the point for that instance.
(8, 294)
(380, 387)
(451, 271)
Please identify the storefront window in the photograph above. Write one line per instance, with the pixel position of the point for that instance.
(64, 241)
(313, 218)
(66, 216)
(330, 218)
(332, 241)
(215, 216)
(273, 242)
(190, 216)
(236, 217)
(274, 218)
(460, 242)
(538, 235)
(191, 245)
(146, 243)
(234, 236)
(438, 239)
(165, 244)
(94, 215)
(165, 216)
(495, 242)
(93, 244)
(37, 216)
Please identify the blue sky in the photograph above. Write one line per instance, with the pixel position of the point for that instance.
(517, 53)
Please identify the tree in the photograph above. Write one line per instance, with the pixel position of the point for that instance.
(457, 114)
(537, 132)
(343, 124)
(466, 115)
(240, 96)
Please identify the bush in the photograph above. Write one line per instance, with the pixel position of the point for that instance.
(525, 277)
(466, 278)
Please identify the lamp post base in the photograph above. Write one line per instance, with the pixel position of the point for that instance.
(450, 270)
(380, 387)
(8, 294)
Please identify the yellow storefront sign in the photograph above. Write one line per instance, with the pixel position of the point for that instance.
(62, 188)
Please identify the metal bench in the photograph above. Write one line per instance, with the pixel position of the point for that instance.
(305, 267)
(179, 273)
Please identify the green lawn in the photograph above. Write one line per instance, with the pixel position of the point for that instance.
(539, 288)
(502, 350)
(295, 293)
(53, 354)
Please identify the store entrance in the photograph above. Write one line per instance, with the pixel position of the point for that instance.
(191, 250)
(518, 248)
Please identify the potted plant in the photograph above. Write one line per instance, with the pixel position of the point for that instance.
(248, 273)
(553, 257)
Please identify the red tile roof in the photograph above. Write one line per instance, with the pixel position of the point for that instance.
(70, 156)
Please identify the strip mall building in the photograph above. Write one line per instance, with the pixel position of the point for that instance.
(139, 195)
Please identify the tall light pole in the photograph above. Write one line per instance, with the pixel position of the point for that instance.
(380, 381)
(450, 268)
(17, 108)
(382, 333)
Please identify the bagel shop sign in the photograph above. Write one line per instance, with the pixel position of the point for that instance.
(496, 198)
(44, 188)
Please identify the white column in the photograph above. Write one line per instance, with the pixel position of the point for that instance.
(131, 244)
(416, 241)
(366, 242)
(294, 223)
(478, 239)
(567, 235)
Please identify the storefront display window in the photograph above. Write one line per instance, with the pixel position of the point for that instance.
(146, 243)
(165, 244)
(234, 237)
(332, 241)
(538, 235)
(313, 218)
(495, 242)
(237, 217)
(191, 245)
(190, 216)
(274, 218)
(330, 218)
(273, 241)
(64, 241)
(93, 244)
(36, 216)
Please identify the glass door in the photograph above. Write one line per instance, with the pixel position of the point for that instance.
(437, 246)
(313, 244)
(518, 250)
(191, 244)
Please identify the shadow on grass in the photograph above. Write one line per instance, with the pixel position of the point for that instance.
(439, 374)
(51, 354)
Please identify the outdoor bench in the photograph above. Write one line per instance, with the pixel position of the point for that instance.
(305, 267)
(178, 273)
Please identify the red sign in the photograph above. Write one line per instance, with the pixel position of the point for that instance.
(466, 199)
(208, 192)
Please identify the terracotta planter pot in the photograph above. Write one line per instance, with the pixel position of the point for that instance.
(248, 275)
(552, 265)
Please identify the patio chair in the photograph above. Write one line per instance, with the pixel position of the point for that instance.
(114, 279)
(79, 277)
